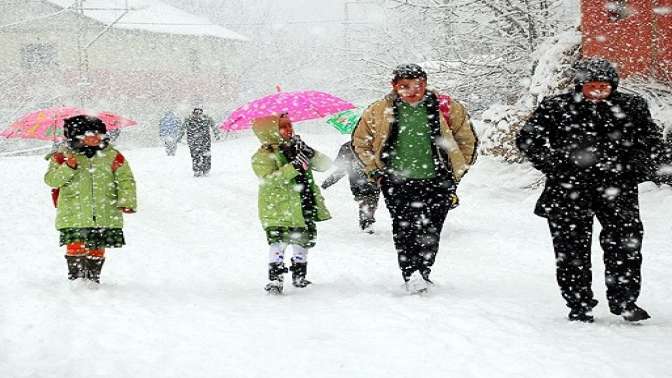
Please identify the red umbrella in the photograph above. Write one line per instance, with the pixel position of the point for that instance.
(47, 124)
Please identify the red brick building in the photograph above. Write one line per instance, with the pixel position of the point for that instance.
(636, 34)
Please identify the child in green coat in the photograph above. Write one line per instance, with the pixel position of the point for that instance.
(289, 201)
(93, 185)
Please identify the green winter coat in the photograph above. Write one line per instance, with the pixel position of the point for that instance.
(279, 201)
(92, 195)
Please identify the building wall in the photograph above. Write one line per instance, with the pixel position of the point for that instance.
(629, 33)
(135, 73)
(663, 40)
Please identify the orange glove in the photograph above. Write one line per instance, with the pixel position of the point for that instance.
(71, 161)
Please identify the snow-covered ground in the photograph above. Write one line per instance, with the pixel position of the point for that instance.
(185, 297)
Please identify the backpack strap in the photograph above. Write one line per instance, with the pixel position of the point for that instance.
(445, 103)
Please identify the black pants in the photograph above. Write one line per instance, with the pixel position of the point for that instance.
(200, 159)
(368, 204)
(621, 241)
(418, 209)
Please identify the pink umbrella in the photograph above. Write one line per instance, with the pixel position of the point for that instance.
(300, 106)
(47, 124)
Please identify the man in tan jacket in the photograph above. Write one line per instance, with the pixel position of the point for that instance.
(417, 150)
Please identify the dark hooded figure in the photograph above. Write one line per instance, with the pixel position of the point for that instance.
(197, 127)
(366, 193)
(594, 145)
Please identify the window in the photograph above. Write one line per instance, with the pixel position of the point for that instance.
(38, 56)
(618, 10)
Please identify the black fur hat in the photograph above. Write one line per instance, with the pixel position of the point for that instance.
(408, 71)
(77, 126)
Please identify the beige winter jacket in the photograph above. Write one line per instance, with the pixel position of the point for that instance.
(373, 130)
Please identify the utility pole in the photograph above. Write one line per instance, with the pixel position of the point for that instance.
(84, 83)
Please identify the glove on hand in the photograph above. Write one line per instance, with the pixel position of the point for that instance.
(453, 201)
(300, 162)
(376, 177)
(71, 161)
(302, 147)
(126, 210)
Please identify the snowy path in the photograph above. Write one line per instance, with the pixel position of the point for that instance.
(185, 297)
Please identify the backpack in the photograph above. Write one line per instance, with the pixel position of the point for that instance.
(59, 158)
(444, 107)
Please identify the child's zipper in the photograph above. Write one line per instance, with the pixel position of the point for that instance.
(93, 199)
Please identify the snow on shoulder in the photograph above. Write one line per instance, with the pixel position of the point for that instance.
(150, 15)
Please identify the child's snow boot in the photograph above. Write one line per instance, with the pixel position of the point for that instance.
(416, 284)
(299, 271)
(94, 266)
(275, 275)
(76, 267)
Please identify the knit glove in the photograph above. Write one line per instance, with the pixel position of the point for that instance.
(303, 148)
(300, 162)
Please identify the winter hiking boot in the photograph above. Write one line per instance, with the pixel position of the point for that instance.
(299, 271)
(415, 284)
(583, 312)
(630, 312)
(366, 226)
(275, 275)
(76, 267)
(93, 267)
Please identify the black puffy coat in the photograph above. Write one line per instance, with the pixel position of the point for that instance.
(584, 147)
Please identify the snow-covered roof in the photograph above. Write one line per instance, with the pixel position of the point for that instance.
(150, 15)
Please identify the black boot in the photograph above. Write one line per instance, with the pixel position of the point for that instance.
(425, 272)
(94, 265)
(583, 312)
(275, 275)
(76, 267)
(299, 271)
(630, 312)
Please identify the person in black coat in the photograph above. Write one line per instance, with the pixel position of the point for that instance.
(197, 126)
(365, 192)
(594, 144)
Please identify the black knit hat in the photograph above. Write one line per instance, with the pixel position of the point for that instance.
(408, 71)
(79, 125)
(595, 69)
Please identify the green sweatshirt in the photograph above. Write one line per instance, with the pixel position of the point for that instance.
(412, 150)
